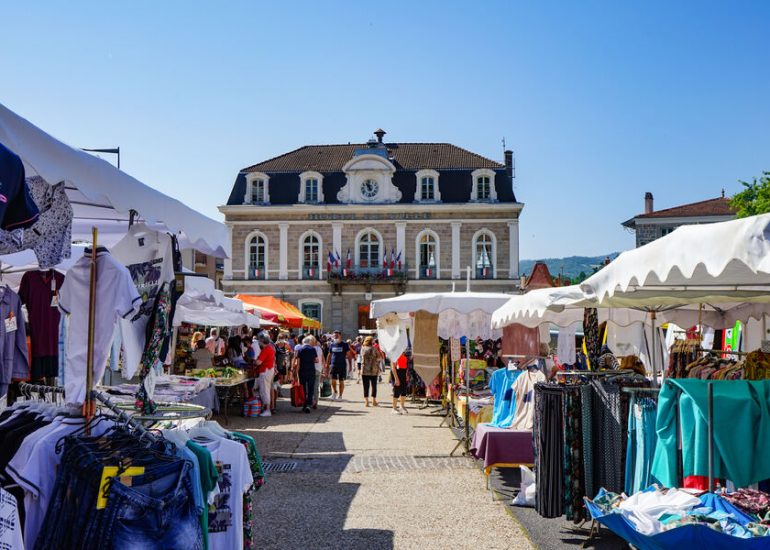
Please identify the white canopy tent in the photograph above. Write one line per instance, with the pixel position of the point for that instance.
(202, 304)
(103, 196)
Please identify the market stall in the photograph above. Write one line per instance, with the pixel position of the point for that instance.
(276, 310)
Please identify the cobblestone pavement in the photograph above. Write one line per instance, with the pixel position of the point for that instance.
(348, 477)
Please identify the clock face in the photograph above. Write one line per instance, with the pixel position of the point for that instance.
(369, 189)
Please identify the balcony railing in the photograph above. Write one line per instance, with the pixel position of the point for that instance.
(367, 275)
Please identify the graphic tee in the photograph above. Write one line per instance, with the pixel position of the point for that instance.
(501, 383)
(10, 534)
(339, 352)
(39, 291)
(524, 392)
(148, 255)
(235, 479)
(116, 298)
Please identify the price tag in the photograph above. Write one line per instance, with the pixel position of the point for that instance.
(10, 323)
(55, 300)
(108, 473)
(54, 293)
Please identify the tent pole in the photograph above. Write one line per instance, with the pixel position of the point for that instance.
(468, 394)
(653, 317)
(88, 405)
(711, 435)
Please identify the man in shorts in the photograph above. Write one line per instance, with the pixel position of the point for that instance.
(337, 359)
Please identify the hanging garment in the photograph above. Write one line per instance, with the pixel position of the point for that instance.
(14, 364)
(548, 435)
(625, 341)
(116, 298)
(17, 209)
(591, 333)
(148, 255)
(640, 449)
(574, 486)
(425, 345)
(10, 534)
(452, 324)
(521, 341)
(524, 392)
(565, 346)
(501, 384)
(39, 291)
(741, 423)
(391, 333)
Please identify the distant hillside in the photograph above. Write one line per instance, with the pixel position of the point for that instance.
(571, 267)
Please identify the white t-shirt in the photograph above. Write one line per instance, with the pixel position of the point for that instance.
(148, 255)
(319, 367)
(524, 389)
(10, 533)
(235, 479)
(116, 298)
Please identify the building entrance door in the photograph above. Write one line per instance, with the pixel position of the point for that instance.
(363, 318)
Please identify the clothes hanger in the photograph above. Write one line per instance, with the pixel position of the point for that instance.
(215, 427)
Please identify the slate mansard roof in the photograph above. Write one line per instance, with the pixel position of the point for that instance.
(453, 163)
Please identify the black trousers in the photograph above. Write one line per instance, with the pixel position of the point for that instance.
(307, 379)
(370, 379)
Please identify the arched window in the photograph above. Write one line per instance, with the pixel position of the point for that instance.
(369, 250)
(257, 257)
(484, 255)
(427, 255)
(311, 256)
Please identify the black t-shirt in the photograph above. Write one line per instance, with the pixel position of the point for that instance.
(339, 352)
(307, 356)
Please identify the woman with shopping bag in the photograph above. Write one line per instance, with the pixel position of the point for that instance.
(304, 375)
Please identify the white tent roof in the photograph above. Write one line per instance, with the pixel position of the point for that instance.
(436, 302)
(725, 262)
(202, 304)
(102, 195)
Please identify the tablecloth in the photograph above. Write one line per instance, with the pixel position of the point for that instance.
(500, 446)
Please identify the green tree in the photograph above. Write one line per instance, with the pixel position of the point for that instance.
(754, 199)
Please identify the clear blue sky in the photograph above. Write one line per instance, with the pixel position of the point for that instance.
(601, 101)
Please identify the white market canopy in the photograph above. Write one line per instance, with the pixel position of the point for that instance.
(438, 302)
(202, 304)
(726, 262)
(103, 196)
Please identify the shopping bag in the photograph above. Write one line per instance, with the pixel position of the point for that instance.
(326, 388)
(297, 395)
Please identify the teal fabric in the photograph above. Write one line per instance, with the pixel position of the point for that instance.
(741, 428)
(501, 384)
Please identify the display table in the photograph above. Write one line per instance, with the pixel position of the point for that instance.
(481, 409)
(226, 389)
(500, 448)
(173, 389)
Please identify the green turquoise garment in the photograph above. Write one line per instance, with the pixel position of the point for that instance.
(209, 476)
(741, 429)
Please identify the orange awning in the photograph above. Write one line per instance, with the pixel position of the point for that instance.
(293, 318)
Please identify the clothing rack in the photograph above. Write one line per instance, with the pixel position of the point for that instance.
(640, 390)
(594, 373)
(25, 387)
(121, 414)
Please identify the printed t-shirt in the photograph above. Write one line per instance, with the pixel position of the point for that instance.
(267, 356)
(226, 512)
(116, 298)
(501, 383)
(339, 352)
(307, 356)
(39, 291)
(208, 481)
(149, 258)
(10, 534)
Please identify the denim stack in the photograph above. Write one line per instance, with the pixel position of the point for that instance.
(153, 510)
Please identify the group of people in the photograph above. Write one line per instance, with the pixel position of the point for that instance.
(280, 358)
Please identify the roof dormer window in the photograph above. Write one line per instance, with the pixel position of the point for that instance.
(257, 190)
(483, 186)
(427, 186)
(310, 188)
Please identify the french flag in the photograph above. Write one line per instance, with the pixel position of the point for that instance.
(337, 260)
(329, 261)
(385, 259)
(350, 260)
(398, 260)
(392, 258)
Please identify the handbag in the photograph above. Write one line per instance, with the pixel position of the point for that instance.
(326, 388)
(297, 394)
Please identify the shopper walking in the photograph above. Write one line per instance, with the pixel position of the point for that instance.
(398, 369)
(321, 369)
(370, 369)
(306, 360)
(338, 363)
(265, 372)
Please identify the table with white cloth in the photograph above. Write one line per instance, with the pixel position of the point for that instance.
(173, 389)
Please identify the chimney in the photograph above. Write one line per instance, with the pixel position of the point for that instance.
(380, 133)
(509, 163)
(648, 204)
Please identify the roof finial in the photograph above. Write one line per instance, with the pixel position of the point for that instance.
(380, 133)
(723, 192)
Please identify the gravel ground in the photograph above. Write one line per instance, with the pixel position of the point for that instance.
(363, 478)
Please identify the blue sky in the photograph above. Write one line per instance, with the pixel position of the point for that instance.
(601, 101)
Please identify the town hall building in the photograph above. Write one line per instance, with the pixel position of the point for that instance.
(331, 227)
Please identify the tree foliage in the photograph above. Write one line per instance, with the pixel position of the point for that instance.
(754, 199)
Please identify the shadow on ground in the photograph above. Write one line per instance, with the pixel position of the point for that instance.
(548, 533)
